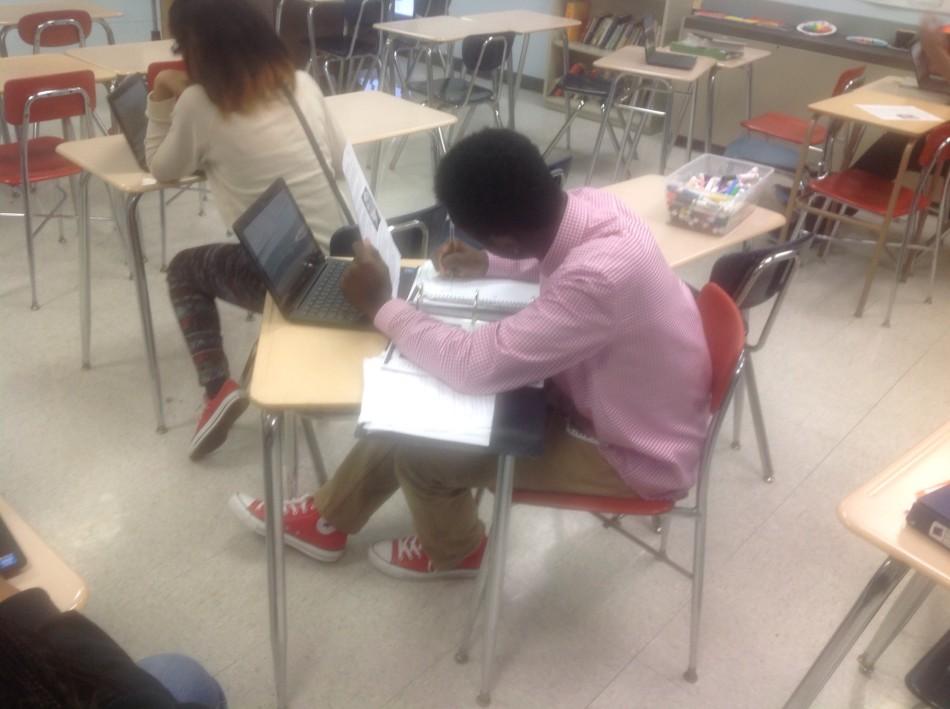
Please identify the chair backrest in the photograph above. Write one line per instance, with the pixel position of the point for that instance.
(850, 79)
(156, 68)
(491, 49)
(56, 28)
(933, 149)
(361, 14)
(725, 338)
(431, 8)
(50, 97)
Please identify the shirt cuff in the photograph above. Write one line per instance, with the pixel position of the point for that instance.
(160, 110)
(387, 317)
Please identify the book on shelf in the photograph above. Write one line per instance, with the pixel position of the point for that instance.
(606, 27)
(592, 28)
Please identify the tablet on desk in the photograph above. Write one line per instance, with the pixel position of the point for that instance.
(12, 559)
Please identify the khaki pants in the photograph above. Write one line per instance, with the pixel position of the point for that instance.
(438, 486)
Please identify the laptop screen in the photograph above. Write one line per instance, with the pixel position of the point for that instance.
(277, 235)
(128, 103)
(404, 8)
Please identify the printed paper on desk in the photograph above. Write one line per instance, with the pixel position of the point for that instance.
(372, 225)
(898, 113)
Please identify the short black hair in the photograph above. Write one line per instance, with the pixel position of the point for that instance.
(495, 182)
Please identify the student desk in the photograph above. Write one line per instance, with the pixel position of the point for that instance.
(750, 55)
(875, 512)
(523, 23)
(109, 159)
(375, 116)
(631, 61)
(44, 569)
(125, 59)
(890, 91)
(10, 15)
(646, 197)
(285, 380)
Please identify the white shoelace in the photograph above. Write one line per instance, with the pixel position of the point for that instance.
(298, 505)
(409, 548)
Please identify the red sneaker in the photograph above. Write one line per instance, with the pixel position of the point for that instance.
(304, 529)
(405, 559)
(216, 420)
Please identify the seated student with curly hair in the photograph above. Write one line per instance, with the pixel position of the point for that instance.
(614, 331)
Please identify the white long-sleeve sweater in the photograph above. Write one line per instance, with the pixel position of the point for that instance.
(242, 154)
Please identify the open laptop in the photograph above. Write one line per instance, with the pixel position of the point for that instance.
(664, 59)
(128, 103)
(926, 80)
(304, 283)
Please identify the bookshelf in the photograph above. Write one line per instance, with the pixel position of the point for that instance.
(669, 16)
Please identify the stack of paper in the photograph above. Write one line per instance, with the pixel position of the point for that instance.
(406, 403)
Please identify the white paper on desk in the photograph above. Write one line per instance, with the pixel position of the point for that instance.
(422, 406)
(372, 225)
(898, 113)
(502, 293)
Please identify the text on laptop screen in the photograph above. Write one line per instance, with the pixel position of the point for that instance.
(281, 239)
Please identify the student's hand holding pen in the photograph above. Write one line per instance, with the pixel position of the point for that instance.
(457, 259)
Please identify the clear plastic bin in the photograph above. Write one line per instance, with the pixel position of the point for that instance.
(699, 203)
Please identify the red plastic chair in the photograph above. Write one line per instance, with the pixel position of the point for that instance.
(157, 68)
(725, 338)
(28, 102)
(56, 28)
(791, 129)
(870, 193)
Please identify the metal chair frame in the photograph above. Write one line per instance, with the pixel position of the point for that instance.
(51, 24)
(23, 139)
(747, 383)
(491, 575)
(347, 74)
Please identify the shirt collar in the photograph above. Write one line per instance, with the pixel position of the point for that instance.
(570, 233)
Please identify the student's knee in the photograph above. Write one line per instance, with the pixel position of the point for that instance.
(178, 267)
(185, 679)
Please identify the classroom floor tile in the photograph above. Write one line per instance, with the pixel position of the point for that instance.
(589, 620)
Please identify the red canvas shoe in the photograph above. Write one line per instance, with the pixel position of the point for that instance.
(304, 529)
(405, 559)
(216, 420)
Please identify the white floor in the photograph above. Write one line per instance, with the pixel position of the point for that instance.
(588, 622)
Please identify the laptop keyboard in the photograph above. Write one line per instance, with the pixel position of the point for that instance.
(325, 302)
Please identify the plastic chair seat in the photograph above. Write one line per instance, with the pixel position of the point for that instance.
(451, 91)
(593, 503)
(589, 86)
(865, 191)
(785, 127)
(43, 161)
(765, 152)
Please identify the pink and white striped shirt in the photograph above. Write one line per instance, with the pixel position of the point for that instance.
(614, 329)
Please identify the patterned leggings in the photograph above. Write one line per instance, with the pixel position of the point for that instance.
(195, 278)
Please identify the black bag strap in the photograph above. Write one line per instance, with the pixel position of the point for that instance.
(327, 171)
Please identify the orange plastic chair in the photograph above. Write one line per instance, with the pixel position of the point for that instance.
(55, 28)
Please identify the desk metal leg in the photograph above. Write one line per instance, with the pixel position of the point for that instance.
(693, 95)
(910, 600)
(516, 84)
(85, 285)
(748, 98)
(710, 107)
(797, 181)
(272, 426)
(667, 133)
(313, 445)
(608, 108)
(873, 596)
(496, 578)
(145, 309)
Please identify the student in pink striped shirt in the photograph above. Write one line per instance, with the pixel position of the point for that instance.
(614, 332)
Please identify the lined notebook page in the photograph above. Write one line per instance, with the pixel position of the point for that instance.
(498, 293)
(399, 402)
